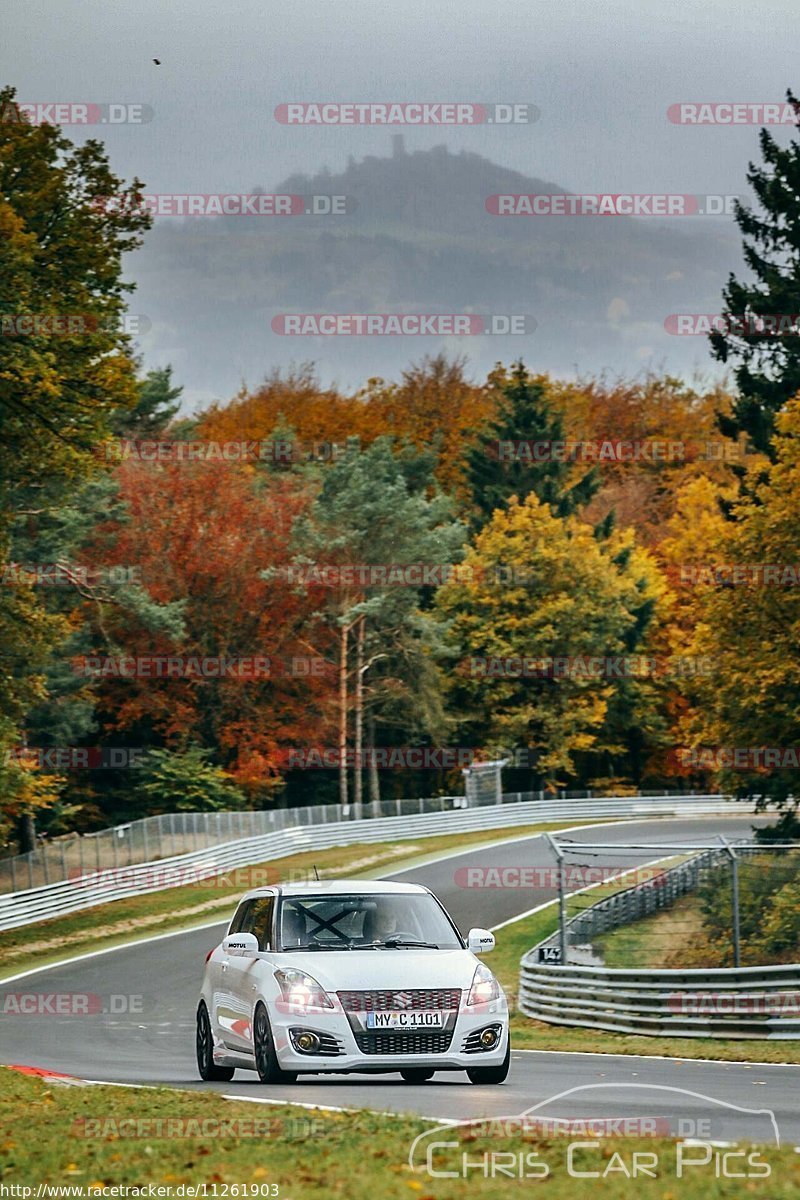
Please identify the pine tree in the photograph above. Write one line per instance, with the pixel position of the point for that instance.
(497, 470)
(768, 363)
(158, 402)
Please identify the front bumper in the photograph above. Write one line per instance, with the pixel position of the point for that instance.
(450, 1049)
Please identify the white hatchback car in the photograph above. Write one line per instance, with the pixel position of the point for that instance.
(341, 977)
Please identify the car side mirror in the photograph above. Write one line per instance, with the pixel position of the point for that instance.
(480, 941)
(241, 945)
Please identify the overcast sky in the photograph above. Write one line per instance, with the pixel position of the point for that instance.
(603, 75)
(602, 72)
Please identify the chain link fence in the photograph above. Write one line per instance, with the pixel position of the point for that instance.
(747, 902)
(749, 896)
(169, 834)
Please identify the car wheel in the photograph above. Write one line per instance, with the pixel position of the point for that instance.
(206, 1066)
(264, 1046)
(417, 1075)
(491, 1074)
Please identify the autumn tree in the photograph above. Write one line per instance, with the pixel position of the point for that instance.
(545, 590)
(750, 630)
(65, 367)
(201, 534)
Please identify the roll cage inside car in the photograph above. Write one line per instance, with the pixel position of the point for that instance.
(262, 916)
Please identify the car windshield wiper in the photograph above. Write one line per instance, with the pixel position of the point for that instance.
(395, 943)
(319, 946)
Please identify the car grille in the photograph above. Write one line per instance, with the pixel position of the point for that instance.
(417, 998)
(423, 1041)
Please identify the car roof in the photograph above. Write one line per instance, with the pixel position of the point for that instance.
(339, 887)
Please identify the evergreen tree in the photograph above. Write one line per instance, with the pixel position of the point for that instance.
(158, 402)
(767, 369)
(498, 467)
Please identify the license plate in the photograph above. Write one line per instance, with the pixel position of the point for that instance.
(408, 1019)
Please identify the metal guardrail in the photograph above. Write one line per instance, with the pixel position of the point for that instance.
(168, 834)
(732, 1002)
(92, 887)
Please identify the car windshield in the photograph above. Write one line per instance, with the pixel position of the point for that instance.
(390, 921)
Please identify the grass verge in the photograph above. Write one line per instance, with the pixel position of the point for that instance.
(656, 941)
(102, 1137)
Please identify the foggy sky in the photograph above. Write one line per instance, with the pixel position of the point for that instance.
(602, 74)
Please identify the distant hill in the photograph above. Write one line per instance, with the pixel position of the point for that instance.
(421, 240)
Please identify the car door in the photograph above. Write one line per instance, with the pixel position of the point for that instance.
(225, 1004)
(242, 973)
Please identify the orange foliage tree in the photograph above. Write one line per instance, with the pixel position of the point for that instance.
(202, 534)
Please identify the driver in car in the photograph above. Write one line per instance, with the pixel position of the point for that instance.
(380, 923)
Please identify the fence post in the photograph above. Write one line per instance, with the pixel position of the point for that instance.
(562, 915)
(737, 945)
(737, 942)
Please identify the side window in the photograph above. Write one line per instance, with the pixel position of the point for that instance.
(242, 918)
(261, 921)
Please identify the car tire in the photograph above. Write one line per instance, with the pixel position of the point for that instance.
(264, 1048)
(491, 1074)
(204, 1045)
(417, 1074)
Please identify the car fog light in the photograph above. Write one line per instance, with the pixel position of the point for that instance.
(488, 1037)
(307, 1042)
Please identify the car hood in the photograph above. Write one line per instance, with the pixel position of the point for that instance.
(360, 970)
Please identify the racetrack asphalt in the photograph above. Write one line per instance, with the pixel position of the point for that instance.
(154, 1045)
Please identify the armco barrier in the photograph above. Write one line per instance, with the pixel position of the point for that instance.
(165, 835)
(58, 899)
(730, 1002)
(743, 1002)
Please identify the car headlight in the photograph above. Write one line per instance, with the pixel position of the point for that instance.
(301, 991)
(484, 986)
